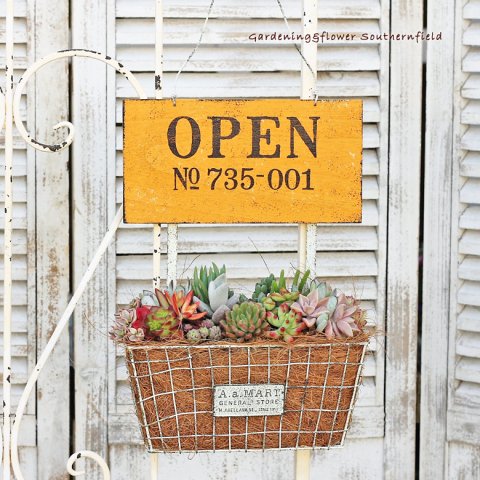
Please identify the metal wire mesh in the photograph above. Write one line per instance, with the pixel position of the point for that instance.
(173, 386)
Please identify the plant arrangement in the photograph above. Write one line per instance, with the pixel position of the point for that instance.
(206, 309)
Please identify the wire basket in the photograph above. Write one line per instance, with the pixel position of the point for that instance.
(182, 394)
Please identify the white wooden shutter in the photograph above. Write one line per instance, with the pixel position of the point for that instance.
(464, 368)
(353, 257)
(23, 268)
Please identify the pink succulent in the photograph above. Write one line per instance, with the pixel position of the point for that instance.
(310, 307)
(342, 322)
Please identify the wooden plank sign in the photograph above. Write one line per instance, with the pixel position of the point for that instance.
(242, 161)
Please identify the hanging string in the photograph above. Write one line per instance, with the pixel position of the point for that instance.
(297, 48)
(192, 53)
(195, 48)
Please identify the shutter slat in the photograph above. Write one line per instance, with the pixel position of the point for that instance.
(470, 243)
(244, 265)
(244, 239)
(468, 344)
(470, 166)
(471, 60)
(470, 218)
(471, 87)
(228, 32)
(469, 319)
(470, 192)
(371, 114)
(471, 35)
(468, 294)
(469, 269)
(468, 370)
(250, 9)
(243, 84)
(471, 11)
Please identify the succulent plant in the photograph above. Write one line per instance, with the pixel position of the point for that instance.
(288, 323)
(181, 303)
(215, 333)
(135, 334)
(323, 289)
(263, 288)
(342, 322)
(206, 331)
(310, 307)
(194, 335)
(202, 277)
(299, 283)
(212, 292)
(283, 296)
(123, 319)
(245, 321)
(163, 323)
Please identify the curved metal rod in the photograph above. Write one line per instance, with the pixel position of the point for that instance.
(87, 454)
(43, 147)
(96, 258)
(109, 236)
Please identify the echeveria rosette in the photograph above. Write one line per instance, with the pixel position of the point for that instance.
(288, 323)
(342, 323)
(310, 307)
(245, 321)
(123, 319)
(163, 323)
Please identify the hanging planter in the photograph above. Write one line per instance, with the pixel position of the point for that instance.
(211, 370)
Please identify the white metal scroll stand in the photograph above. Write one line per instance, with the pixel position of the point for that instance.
(10, 114)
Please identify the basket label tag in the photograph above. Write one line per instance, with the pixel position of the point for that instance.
(248, 400)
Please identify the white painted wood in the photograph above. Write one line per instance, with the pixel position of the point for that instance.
(89, 162)
(463, 421)
(52, 239)
(403, 234)
(464, 461)
(250, 9)
(23, 305)
(436, 240)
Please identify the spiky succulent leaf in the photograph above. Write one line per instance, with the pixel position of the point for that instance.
(210, 287)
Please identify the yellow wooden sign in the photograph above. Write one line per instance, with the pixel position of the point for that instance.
(232, 161)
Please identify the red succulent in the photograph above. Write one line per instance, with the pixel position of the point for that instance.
(181, 304)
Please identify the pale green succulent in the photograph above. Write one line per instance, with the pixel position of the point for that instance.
(288, 323)
(212, 292)
(245, 322)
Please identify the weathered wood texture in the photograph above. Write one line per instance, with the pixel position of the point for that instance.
(436, 240)
(89, 207)
(52, 239)
(23, 268)
(463, 422)
(403, 239)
